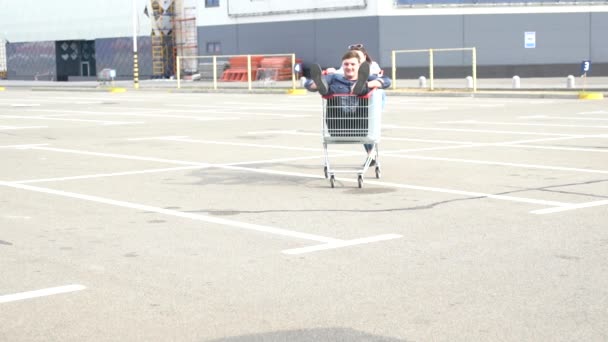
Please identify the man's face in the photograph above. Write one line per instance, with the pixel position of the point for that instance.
(351, 68)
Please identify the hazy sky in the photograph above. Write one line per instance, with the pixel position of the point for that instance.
(36, 20)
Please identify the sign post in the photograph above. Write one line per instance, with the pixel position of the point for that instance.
(583, 95)
(585, 68)
(135, 59)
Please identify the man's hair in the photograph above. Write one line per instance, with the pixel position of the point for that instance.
(350, 54)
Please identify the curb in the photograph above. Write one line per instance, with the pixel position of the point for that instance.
(297, 91)
(590, 96)
(484, 93)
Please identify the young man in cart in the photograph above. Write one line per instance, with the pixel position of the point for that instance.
(356, 80)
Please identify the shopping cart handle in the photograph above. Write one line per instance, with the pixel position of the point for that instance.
(366, 96)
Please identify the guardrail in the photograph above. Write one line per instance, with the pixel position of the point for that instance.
(431, 53)
(244, 68)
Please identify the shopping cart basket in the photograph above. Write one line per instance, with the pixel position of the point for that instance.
(351, 119)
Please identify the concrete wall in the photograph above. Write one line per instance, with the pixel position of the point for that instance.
(28, 61)
(563, 40)
(43, 60)
(319, 41)
(117, 54)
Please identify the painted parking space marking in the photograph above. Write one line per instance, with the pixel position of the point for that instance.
(575, 118)
(113, 174)
(466, 130)
(295, 132)
(595, 112)
(485, 162)
(341, 244)
(41, 293)
(43, 118)
(227, 143)
(14, 128)
(22, 146)
(331, 242)
(475, 122)
(24, 105)
(297, 174)
(570, 207)
(466, 144)
(153, 114)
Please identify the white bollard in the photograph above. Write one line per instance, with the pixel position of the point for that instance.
(570, 82)
(469, 80)
(422, 82)
(516, 82)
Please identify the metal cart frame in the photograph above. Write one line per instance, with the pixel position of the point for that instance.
(351, 119)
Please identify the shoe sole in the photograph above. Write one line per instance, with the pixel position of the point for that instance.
(317, 76)
(362, 76)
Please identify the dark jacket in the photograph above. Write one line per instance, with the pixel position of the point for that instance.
(338, 84)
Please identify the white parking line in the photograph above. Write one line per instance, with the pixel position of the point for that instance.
(103, 122)
(25, 105)
(295, 132)
(151, 115)
(114, 174)
(593, 112)
(10, 128)
(41, 293)
(578, 149)
(297, 174)
(340, 244)
(511, 144)
(566, 118)
(485, 162)
(226, 143)
(23, 146)
(478, 131)
(334, 243)
(570, 207)
(475, 122)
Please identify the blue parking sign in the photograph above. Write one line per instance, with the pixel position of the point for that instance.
(585, 67)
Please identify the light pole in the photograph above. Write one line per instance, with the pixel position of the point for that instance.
(3, 66)
(135, 62)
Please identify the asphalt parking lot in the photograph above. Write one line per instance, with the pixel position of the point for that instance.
(156, 216)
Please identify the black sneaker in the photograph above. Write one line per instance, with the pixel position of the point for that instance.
(316, 74)
(360, 87)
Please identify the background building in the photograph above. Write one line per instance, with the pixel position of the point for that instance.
(68, 39)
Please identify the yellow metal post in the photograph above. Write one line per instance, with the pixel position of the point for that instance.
(214, 73)
(431, 68)
(394, 64)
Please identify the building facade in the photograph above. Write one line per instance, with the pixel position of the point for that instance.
(71, 40)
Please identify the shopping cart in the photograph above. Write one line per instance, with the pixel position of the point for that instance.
(351, 119)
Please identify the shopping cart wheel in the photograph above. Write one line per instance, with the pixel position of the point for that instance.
(377, 172)
(360, 181)
(325, 172)
(332, 181)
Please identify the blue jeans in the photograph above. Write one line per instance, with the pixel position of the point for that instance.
(368, 147)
